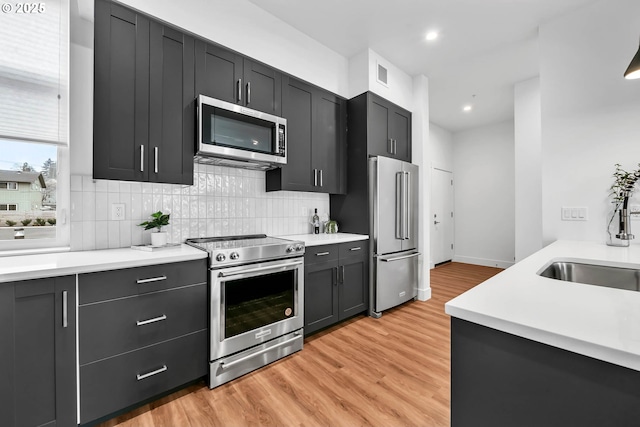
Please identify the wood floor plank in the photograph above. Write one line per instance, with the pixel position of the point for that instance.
(392, 371)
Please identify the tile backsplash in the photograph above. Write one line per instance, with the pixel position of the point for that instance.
(221, 202)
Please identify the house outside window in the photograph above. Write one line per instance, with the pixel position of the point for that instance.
(34, 121)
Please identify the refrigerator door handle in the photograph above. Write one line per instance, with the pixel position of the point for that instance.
(407, 207)
(399, 206)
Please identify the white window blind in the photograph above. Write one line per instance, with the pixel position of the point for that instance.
(34, 49)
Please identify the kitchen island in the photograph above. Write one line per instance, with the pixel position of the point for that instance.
(528, 350)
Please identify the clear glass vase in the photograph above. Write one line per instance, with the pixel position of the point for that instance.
(615, 227)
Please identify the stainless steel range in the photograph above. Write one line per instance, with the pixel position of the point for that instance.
(257, 301)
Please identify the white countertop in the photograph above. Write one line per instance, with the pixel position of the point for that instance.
(26, 267)
(600, 322)
(326, 239)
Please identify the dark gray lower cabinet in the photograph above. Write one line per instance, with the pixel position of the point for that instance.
(37, 355)
(142, 333)
(499, 379)
(336, 284)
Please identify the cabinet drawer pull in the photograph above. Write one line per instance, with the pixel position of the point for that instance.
(65, 309)
(152, 373)
(152, 279)
(155, 319)
(357, 248)
(322, 253)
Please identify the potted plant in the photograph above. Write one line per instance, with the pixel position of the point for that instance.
(159, 220)
(618, 226)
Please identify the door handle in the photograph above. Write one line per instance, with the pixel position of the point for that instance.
(248, 93)
(390, 146)
(227, 365)
(65, 309)
(399, 205)
(321, 178)
(155, 160)
(342, 274)
(315, 177)
(335, 276)
(239, 90)
(407, 199)
(142, 158)
(436, 222)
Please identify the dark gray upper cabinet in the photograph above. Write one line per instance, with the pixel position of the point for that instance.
(388, 128)
(144, 113)
(316, 140)
(229, 76)
(37, 360)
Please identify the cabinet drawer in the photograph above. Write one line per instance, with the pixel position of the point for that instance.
(315, 254)
(117, 326)
(118, 382)
(105, 285)
(359, 248)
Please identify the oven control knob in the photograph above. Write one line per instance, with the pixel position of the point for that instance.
(234, 255)
(220, 257)
(299, 247)
(290, 249)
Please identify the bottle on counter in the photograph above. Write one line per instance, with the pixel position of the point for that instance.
(316, 222)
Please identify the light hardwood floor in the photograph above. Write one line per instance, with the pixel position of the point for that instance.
(392, 371)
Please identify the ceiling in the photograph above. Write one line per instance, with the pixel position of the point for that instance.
(485, 46)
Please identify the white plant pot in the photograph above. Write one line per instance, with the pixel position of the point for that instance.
(159, 238)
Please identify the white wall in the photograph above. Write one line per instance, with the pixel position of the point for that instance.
(528, 168)
(590, 114)
(421, 153)
(484, 195)
(441, 148)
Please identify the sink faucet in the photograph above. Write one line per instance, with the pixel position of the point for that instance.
(625, 225)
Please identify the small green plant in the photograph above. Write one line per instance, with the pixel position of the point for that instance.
(40, 222)
(10, 223)
(159, 220)
(51, 221)
(623, 184)
(26, 222)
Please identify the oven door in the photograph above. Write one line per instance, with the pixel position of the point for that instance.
(255, 303)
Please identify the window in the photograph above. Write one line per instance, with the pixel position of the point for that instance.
(8, 185)
(34, 80)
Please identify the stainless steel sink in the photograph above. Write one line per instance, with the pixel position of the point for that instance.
(593, 274)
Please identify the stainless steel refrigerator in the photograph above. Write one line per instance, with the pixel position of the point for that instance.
(393, 211)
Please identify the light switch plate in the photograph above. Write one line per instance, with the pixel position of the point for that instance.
(572, 213)
(117, 212)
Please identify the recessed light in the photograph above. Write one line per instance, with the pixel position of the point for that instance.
(467, 108)
(431, 35)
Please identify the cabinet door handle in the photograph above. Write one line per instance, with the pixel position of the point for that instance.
(342, 274)
(65, 309)
(395, 146)
(155, 160)
(248, 93)
(142, 158)
(321, 178)
(357, 248)
(315, 177)
(390, 146)
(239, 90)
(152, 373)
(322, 253)
(152, 279)
(155, 319)
(335, 276)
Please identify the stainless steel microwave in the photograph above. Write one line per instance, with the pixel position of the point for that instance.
(233, 135)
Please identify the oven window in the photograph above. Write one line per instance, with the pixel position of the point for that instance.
(258, 301)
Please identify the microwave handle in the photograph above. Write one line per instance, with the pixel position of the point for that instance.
(239, 90)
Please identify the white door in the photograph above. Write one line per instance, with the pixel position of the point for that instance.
(441, 216)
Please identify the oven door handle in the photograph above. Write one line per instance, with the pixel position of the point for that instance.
(225, 365)
(259, 269)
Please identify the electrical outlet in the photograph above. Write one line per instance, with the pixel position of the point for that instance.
(117, 211)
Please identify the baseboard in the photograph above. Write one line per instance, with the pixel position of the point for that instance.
(424, 294)
(483, 261)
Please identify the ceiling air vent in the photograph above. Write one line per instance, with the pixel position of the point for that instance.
(382, 75)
